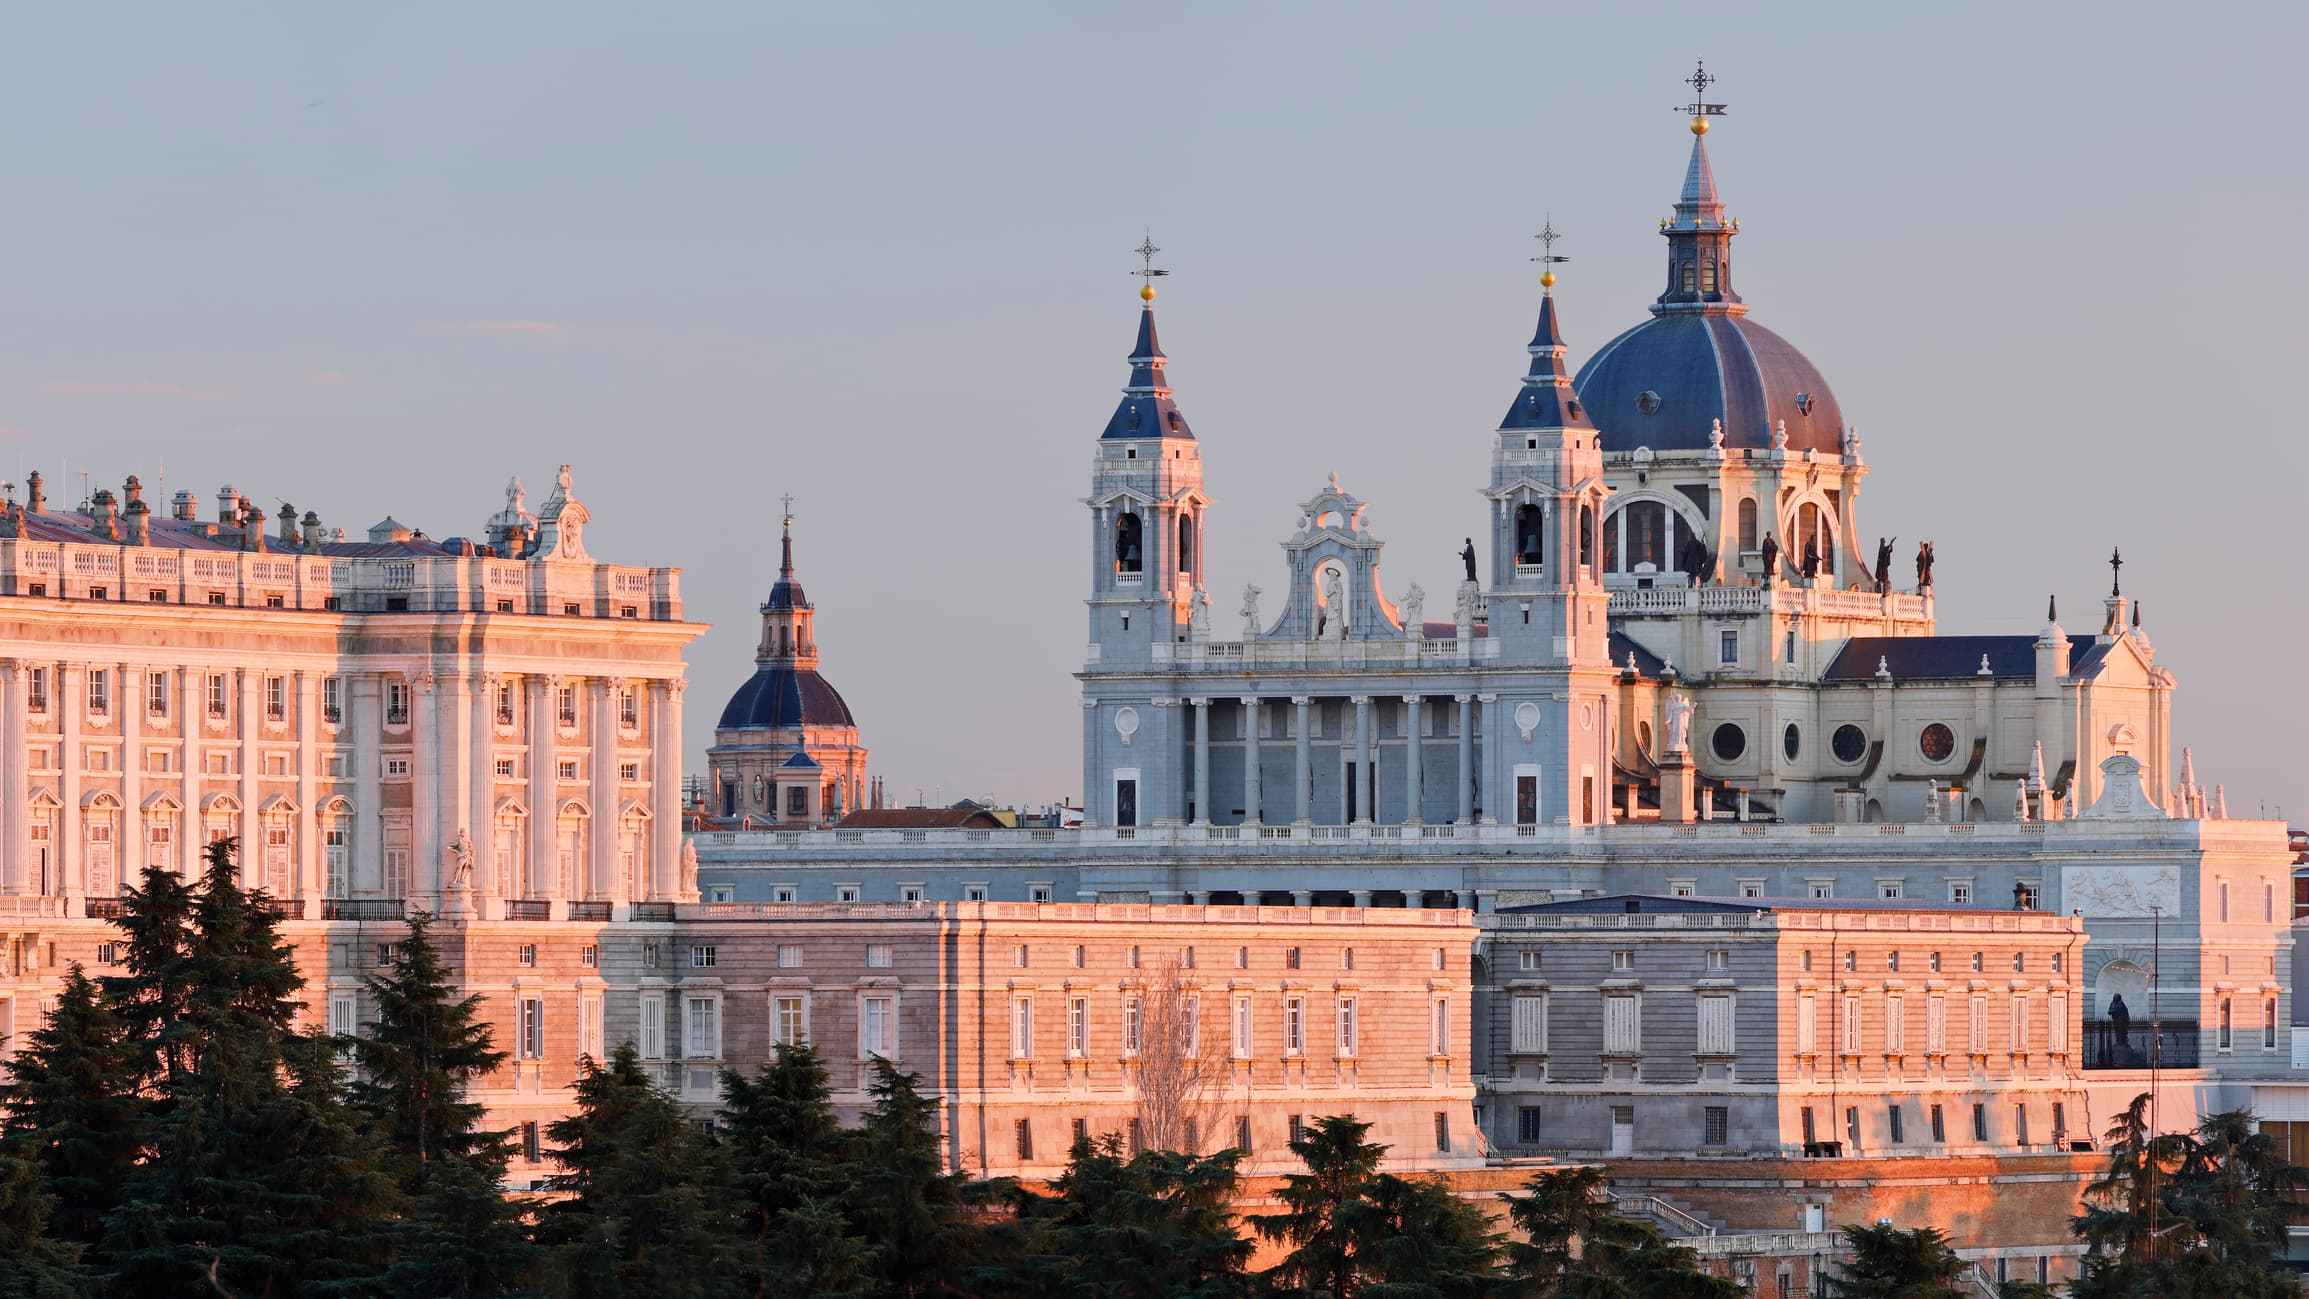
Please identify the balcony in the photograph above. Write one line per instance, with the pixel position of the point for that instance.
(107, 909)
(2133, 1045)
(528, 909)
(589, 911)
(364, 909)
(283, 908)
(657, 911)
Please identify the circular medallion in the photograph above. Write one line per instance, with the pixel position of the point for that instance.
(1587, 717)
(1648, 402)
(1126, 722)
(1527, 718)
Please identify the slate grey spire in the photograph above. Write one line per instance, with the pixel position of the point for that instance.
(1146, 410)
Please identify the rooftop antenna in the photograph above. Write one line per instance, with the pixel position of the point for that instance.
(1700, 109)
(1147, 272)
(1547, 259)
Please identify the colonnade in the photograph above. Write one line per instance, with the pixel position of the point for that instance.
(1360, 802)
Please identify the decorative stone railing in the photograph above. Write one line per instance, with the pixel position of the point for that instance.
(1235, 655)
(1656, 601)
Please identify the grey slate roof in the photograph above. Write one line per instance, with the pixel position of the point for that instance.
(1949, 658)
(1663, 904)
(1146, 409)
(1699, 368)
(784, 696)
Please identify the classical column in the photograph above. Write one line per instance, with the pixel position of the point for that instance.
(607, 827)
(128, 853)
(1362, 763)
(1489, 790)
(1303, 752)
(481, 784)
(15, 848)
(1414, 791)
(1250, 759)
(1362, 896)
(451, 776)
(251, 855)
(664, 879)
(191, 710)
(424, 778)
(1202, 760)
(310, 871)
(1466, 779)
(544, 812)
(365, 695)
(71, 696)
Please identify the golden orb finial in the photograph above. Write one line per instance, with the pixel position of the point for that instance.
(1547, 279)
(1699, 126)
(1146, 293)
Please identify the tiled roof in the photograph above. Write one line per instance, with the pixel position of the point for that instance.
(920, 818)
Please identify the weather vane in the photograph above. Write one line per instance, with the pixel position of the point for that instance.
(1699, 108)
(1146, 254)
(788, 501)
(1547, 258)
(2116, 570)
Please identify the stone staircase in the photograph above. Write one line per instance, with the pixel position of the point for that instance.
(1678, 1221)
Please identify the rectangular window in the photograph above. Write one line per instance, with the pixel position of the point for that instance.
(1728, 648)
(1980, 1123)
(1347, 1026)
(701, 956)
(36, 690)
(1022, 1028)
(1130, 1026)
(1976, 1028)
(1811, 1128)
(528, 954)
(532, 1028)
(505, 703)
(1443, 1132)
(1851, 1026)
(99, 692)
(2059, 1120)
(590, 1029)
(1895, 1121)
(878, 1027)
(589, 956)
(276, 699)
(1081, 1132)
(1527, 1025)
(792, 1021)
(1243, 1133)
(1622, 1028)
(565, 769)
(1807, 1025)
(1294, 1025)
(333, 700)
(1527, 1125)
(1935, 1025)
(1242, 1028)
(396, 700)
(1939, 1127)
(1078, 1027)
(1527, 959)
(2269, 1024)
(340, 1013)
(1025, 1130)
(1889, 890)
(702, 1021)
(1852, 1127)
(789, 956)
(1715, 1026)
(878, 955)
(1194, 1024)
(628, 708)
(156, 694)
(1623, 960)
(1716, 1125)
(1895, 1025)
(2020, 1123)
(2224, 883)
(652, 1030)
(2019, 1025)
(1439, 1029)
(2225, 1039)
(565, 705)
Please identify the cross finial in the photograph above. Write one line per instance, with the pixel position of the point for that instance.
(1700, 108)
(1147, 272)
(2116, 567)
(1547, 258)
(788, 501)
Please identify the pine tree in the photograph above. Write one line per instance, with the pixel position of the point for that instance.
(33, 1265)
(419, 1059)
(787, 1151)
(256, 1180)
(155, 995)
(917, 1215)
(1320, 1207)
(1358, 1232)
(463, 1238)
(648, 1209)
(1575, 1246)
(70, 1108)
(1158, 1225)
(1889, 1263)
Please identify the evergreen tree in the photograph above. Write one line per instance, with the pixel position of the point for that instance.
(1576, 1247)
(812, 1251)
(787, 1153)
(256, 1180)
(915, 1214)
(1357, 1232)
(1159, 1225)
(2189, 1214)
(70, 1107)
(418, 1060)
(33, 1265)
(463, 1238)
(155, 996)
(1888, 1263)
(648, 1209)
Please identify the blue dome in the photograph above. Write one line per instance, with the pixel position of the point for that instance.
(1664, 383)
(784, 696)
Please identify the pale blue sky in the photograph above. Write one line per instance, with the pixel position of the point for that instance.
(374, 259)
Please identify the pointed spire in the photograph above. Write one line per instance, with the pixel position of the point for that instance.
(1699, 194)
(1699, 235)
(2052, 610)
(1546, 399)
(786, 593)
(1146, 410)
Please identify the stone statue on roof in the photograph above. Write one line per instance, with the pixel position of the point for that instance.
(1884, 564)
(1771, 557)
(1923, 565)
(1250, 612)
(1334, 606)
(1414, 610)
(1467, 557)
(1676, 722)
(689, 868)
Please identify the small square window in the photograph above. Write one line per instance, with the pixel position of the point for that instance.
(589, 956)
(1291, 958)
(701, 956)
(878, 955)
(789, 956)
(1623, 959)
(846, 893)
(1527, 959)
(781, 893)
(529, 953)
(1038, 893)
(909, 893)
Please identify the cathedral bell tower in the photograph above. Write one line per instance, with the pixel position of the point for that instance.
(1547, 494)
(1146, 510)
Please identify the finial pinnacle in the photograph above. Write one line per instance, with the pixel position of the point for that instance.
(1547, 258)
(2116, 572)
(1147, 271)
(1700, 109)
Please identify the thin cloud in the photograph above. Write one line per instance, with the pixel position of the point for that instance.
(549, 329)
(137, 388)
(326, 378)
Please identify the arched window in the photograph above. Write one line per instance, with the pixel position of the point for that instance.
(1586, 535)
(1530, 547)
(1815, 534)
(1747, 523)
(570, 840)
(1647, 539)
(337, 848)
(1708, 276)
(509, 863)
(633, 852)
(99, 826)
(1186, 542)
(1128, 556)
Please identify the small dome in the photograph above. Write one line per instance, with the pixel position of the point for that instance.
(782, 696)
(1664, 384)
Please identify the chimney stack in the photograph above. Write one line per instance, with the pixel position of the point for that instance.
(253, 535)
(183, 509)
(312, 531)
(36, 499)
(228, 504)
(288, 526)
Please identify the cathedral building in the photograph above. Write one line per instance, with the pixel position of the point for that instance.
(786, 750)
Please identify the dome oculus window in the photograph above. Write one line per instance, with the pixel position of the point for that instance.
(1848, 743)
(1791, 742)
(1937, 742)
(1729, 742)
(1648, 402)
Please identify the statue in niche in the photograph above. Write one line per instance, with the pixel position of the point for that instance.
(1884, 564)
(1334, 606)
(1251, 612)
(1467, 558)
(1414, 609)
(1771, 557)
(1677, 721)
(1811, 558)
(1923, 565)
